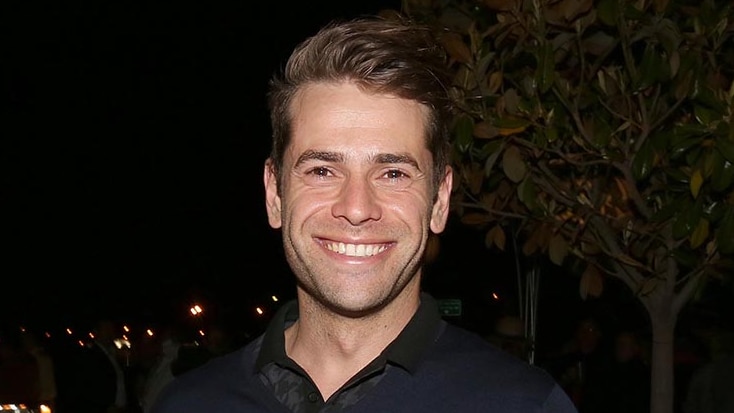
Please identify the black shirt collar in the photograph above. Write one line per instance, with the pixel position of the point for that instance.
(406, 350)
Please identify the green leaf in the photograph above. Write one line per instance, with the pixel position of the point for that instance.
(710, 159)
(666, 212)
(704, 115)
(551, 133)
(724, 128)
(725, 232)
(651, 68)
(668, 34)
(602, 132)
(631, 12)
(484, 63)
(674, 62)
(592, 283)
(681, 147)
(489, 148)
(455, 47)
(685, 131)
(659, 140)
(513, 165)
(677, 175)
(496, 237)
(557, 249)
(511, 122)
(696, 182)
(545, 74)
(642, 164)
(700, 233)
(598, 44)
(608, 12)
(716, 211)
(463, 132)
(726, 147)
(685, 220)
(705, 96)
(512, 100)
(693, 156)
(723, 176)
(494, 149)
(528, 193)
(485, 130)
(540, 138)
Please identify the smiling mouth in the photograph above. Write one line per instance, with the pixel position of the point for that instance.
(355, 250)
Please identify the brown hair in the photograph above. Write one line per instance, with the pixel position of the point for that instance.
(380, 55)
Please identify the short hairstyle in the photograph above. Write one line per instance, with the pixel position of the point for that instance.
(380, 55)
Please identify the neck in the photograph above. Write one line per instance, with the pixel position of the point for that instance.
(332, 348)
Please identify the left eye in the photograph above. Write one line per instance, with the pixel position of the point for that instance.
(320, 171)
(395, 174)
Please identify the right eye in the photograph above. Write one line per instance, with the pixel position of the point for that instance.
(319, 171)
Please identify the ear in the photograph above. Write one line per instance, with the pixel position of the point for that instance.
(272, 199)
(440, 212)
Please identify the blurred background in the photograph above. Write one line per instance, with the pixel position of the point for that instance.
(133, 142)
(133, 139)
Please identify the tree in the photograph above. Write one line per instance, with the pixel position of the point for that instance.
(600, 132)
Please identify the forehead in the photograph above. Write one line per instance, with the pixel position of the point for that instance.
(341, 117)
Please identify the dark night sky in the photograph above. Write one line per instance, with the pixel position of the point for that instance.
(132, 155)
(133, 138)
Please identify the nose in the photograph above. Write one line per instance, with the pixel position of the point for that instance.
(357, 202)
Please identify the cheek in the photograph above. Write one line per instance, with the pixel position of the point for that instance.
(415, 210)
(299, 205)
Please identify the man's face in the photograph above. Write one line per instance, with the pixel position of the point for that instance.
(356, 202)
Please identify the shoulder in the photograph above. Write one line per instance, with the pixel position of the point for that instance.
(470, 361)
(459, 346)
(463, 372)
(212, 385)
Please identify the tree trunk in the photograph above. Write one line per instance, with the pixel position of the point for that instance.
(663, 336)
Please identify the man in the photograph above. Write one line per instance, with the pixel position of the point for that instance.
(357, 178)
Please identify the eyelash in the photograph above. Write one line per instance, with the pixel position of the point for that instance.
(392, 174)
(320, 171)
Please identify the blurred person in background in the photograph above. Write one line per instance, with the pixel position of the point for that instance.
(19, 373)
(509, 335)
(167, 344)
(624, 384)
(95, 376)
(219, 339)
(579, 367)
(711, 387)
(34, 344)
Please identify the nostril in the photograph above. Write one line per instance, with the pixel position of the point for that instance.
(357, 203)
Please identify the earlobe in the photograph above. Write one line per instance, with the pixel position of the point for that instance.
(273, 207)
(272, 199)
(440, 212)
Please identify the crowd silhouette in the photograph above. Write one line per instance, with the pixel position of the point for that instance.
(603, 368)
(108, 370)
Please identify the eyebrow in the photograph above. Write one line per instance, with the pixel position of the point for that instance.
(325, 156)
(380, 158)
(397, 158)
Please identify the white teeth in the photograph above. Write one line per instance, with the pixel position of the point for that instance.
(356, 250)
